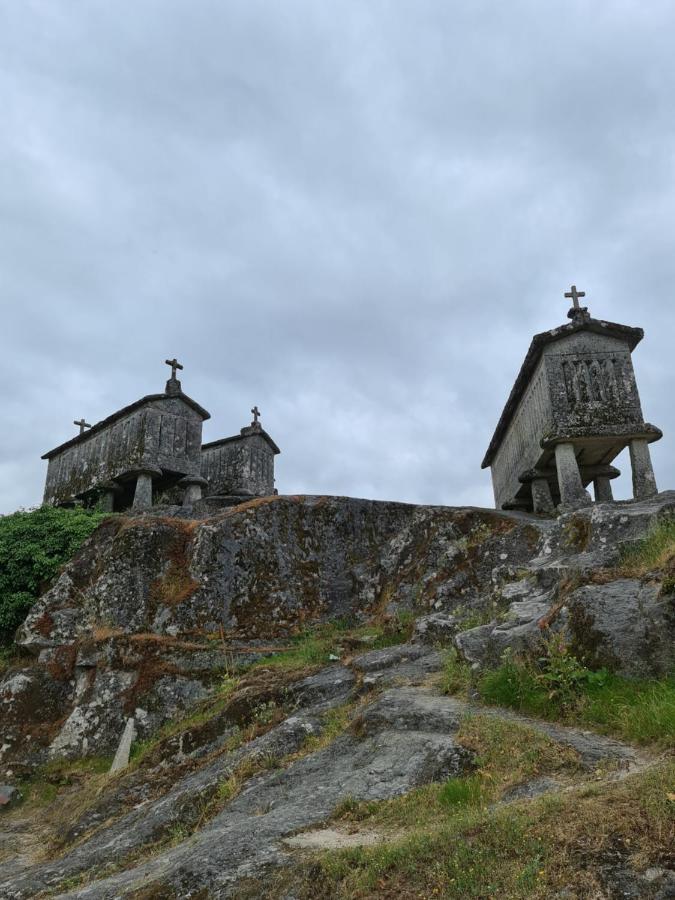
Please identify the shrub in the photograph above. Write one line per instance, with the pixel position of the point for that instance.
(34, 545)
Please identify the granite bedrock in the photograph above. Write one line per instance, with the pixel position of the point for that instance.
(150, 612)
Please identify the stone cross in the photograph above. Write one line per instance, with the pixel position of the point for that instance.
(256, 415)
(573, 294)
(82, 425)
(174, 365)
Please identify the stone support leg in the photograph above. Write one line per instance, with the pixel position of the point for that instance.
(106, 502)
(143, 493)
(602, 488)
(542, 502)
(572, 492)
(193, 492)
(193, 485)
(644, 482)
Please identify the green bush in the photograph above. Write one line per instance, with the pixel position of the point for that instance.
(34, 545)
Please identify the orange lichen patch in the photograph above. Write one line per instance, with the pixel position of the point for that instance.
(186, 526)
(61, 663)
(150, 670)
(549, 617)
(44, 624)
(172, 588)
(166, 640)
(176, 584)
(105, 632)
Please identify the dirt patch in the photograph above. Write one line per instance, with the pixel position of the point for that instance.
(336, 839)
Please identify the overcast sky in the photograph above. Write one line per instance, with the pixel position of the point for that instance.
(353, 214)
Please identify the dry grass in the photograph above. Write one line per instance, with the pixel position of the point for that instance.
(529, 849)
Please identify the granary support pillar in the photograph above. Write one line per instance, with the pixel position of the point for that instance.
(644, 482)
(193, 485)
(106, 501)
(143, 492)
(542, 501)
(602, 488)
(572, 492)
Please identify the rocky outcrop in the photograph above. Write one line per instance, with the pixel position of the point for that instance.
(402, 738)
(153, 609)
(145, 621)
(570, 588)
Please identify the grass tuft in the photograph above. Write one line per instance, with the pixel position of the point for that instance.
(655, 551)
(456, 676)
(335, 640)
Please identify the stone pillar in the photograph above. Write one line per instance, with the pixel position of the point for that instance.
(542, 502)
(572, 492)
(193, 485)
(106, 502)
(602, 488)
(644, 483)
(143, 492)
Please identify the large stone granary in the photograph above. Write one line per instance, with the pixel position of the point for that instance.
(573, 408)
(151, 451)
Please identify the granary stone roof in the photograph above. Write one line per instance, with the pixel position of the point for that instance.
(104, 423)
(631, 336)
(245, 432)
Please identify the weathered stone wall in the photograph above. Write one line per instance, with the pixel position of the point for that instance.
(520, 449)
(239, 465)
(591, 382)
(162, 433)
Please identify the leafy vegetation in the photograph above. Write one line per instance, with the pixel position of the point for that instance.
(34, 545)
(559, 687)
(655, 551)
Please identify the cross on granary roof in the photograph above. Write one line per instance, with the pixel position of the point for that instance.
(573, 294)
(82, 425)
(256, 415)
(174, 365)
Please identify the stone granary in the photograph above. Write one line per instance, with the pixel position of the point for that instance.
(573, 408)
(152, 450)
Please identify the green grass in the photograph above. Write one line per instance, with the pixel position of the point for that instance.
(461, 792)
(638, 711)
(655, 551)
(44, 785)
(507, 753)
(456, 675)
(338, 639)
(466, 849)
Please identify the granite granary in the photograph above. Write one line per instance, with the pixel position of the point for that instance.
(151, 452)
(573, 408)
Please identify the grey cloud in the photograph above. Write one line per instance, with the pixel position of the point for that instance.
(355, 215)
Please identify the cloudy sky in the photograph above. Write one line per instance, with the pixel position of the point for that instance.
(353, 214)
